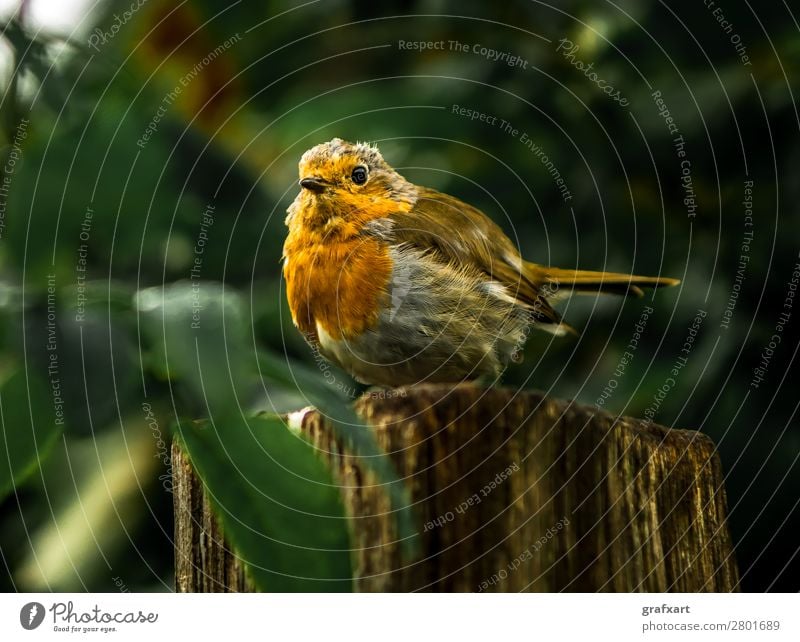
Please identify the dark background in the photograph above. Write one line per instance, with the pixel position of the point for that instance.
(97, 515)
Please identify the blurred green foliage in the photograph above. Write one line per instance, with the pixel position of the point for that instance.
(276, 500)
(24, 405)
(126, 146)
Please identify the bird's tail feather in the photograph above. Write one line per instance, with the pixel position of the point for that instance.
(589, 282)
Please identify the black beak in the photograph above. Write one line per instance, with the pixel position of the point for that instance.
(313, 183)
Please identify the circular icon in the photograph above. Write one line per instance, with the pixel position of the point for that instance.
(31, 615)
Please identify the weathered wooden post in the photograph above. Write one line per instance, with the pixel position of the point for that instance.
(515, 492)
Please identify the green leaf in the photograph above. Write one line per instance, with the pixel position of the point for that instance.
(352, 430)
(276, 501)
(197, 332)
(29, 428)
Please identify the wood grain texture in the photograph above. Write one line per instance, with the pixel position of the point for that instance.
(203, 562)
(513, 491)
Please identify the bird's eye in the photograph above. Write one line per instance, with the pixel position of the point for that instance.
(359, 175)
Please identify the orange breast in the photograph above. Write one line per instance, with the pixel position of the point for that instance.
(337, 284)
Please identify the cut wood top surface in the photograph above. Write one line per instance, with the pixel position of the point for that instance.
(517, 491)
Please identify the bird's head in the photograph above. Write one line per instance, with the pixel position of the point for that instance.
(344, 179)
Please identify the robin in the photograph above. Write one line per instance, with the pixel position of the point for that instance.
(400, 284)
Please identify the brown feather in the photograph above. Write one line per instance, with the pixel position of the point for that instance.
(588, 281)
(462, 234)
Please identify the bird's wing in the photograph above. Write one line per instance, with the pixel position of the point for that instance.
(457, 233)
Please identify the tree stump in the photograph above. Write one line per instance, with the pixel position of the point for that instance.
(513, 491)
(203, 562)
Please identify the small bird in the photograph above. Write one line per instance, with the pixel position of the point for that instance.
(400, 284)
